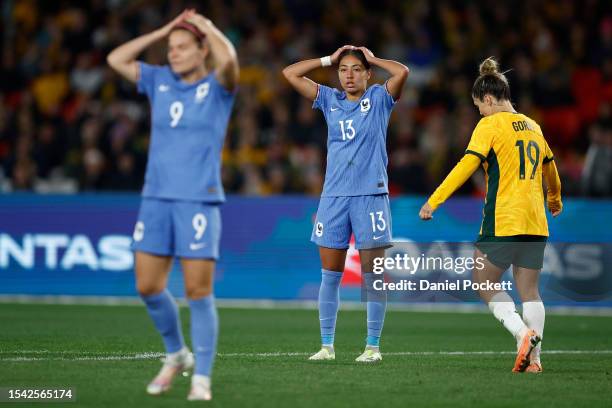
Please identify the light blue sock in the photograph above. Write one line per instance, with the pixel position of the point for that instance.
(204, 331)
(376, 305)
(164, 311)
(329, 300)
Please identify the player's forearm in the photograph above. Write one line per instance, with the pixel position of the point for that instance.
(553, 182)
(295, 75)
(399, 74)
(394, 68)
(455, 179)
(128, 52)
(221, 48)
(301, 68)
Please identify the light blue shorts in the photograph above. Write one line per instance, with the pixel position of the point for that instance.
(178, 228)
(368, 217)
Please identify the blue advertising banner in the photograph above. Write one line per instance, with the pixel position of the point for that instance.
(80, 245)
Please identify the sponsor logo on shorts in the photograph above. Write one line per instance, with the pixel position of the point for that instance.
(376, 238)
(194, 246)
(319, 229)
(138, 231)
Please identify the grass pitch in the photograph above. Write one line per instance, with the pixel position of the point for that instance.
(263, 354)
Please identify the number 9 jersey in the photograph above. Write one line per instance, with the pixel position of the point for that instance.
(188, 127)
(512, 150)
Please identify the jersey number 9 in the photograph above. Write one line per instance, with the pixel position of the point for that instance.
(176, 112)
(199, 225)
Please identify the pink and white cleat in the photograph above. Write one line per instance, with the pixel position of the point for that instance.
(174, 364)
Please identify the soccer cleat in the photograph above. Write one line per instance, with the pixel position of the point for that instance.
(369, 356)
(323, 354)
(528, 342)
(174, 364)
(534, 367)
(200, 389)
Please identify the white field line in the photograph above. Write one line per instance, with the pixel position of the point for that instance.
(48, 355)
(576, 310)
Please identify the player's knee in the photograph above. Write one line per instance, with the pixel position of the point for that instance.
(148, 288)
(197, 292)
(333, 264)
(529, 294)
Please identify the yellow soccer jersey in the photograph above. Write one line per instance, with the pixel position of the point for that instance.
(512, 150)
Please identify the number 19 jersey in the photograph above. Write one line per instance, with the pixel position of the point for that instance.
(356, 141)
(188, 127)
(512, 150)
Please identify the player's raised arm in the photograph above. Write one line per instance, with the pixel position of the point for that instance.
(305, 86)
(399, 72)
(123, 58)
(553, 191)
(222, 50)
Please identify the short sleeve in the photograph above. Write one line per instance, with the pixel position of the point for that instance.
(388, 100)
(146, 78)
(548, 154)
(481, 141)
(324, 95)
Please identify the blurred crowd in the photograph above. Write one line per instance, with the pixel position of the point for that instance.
(68, 123)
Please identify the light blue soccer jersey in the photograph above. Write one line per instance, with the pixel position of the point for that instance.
(188, 127)
(356, 141)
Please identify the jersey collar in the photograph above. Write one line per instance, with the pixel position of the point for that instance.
(184, 85)
(345, 103)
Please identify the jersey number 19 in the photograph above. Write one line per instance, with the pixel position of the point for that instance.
(531, 148)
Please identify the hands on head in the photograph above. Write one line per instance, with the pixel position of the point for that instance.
(189, 16)
(368, 54)
(336, 54)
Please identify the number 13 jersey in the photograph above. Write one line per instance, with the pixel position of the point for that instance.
(188, 127)
(356, 141)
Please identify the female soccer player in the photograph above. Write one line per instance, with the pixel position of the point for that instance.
(355, 194)
(515, 157)
(191, 101)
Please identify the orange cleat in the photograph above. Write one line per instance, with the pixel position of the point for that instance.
(534, 367)
(529, 341)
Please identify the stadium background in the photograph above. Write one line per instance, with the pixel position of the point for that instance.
(70, 126)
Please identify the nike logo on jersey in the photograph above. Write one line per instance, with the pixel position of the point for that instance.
(194, 246)
(334, 109)
(163, 88)
(377, 238)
